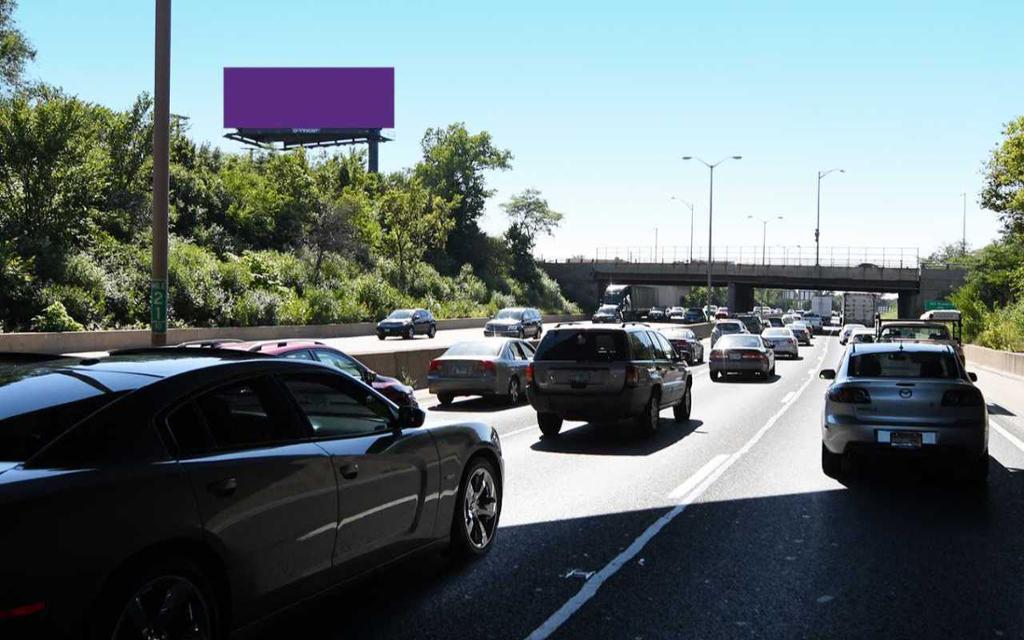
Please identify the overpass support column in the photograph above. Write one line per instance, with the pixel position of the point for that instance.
(909, 305)
(740, 297)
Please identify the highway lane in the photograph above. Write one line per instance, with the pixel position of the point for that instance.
(720, 527)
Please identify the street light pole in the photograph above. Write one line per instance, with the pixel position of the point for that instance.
(161, 162)
(817, 226)
(690, 205)
(764, 235)
(711, 204)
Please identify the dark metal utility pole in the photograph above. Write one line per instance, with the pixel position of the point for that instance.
(711, 204)
(817, 226)
(161, 162)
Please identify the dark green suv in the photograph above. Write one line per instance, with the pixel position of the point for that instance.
(601, 374)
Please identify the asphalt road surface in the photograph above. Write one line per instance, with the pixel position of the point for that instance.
(721, 527)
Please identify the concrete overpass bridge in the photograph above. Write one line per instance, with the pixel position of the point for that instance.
(898, 271)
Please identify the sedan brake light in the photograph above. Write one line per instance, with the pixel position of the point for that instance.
(962, 398)
(849, 395)
(435, 365)
(22, 611)
(488, 366)
(529, 373)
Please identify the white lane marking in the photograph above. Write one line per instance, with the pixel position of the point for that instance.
(698, 477)
(523, 430)
(789, 396)
(1014, 440)
(589, 589)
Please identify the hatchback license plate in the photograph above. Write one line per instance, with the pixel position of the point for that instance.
(905, 439)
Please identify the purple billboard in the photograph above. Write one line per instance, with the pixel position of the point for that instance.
(309, 97)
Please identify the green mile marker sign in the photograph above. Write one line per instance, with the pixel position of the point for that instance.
(935, 305)
(158, 306)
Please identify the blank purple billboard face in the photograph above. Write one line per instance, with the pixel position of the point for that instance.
(309, 98)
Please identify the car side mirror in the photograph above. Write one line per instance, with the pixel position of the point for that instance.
(410, 417)
(973, 376)
(827, 374)
(369, 375)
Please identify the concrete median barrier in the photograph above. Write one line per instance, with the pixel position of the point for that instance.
(93, 341)
(1004, 361)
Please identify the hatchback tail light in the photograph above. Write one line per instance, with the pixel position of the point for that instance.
(849, 395)
(962, 398)
(435, 365)
(632, 376)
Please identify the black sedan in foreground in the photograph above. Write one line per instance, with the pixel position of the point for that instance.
(172, 494)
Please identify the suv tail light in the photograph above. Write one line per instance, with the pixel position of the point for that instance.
(849, 395)
(529, 373)
(435, 365)
(962, 398)
(632, 376)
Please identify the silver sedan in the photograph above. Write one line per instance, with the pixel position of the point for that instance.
(492, 367)
(783, 341)
(904, 399)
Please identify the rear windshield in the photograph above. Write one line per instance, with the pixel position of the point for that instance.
(777, 333)
(739, 342)
(475, 348)
(576, 345)
(510, 314)
(729, 327)
(926, 332)
(904, 364)
(608, 307)
(35, 409)
(678, 333)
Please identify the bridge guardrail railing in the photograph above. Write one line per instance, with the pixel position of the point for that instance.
(778, 255)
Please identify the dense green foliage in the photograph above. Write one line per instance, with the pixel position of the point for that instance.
(15, 49)
(992, 299)
(256, 238)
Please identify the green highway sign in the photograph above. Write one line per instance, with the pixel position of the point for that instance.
(158, 306)
(934, 305)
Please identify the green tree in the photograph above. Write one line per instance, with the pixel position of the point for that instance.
(529, 215)
(453, 168)
(333, 228)
(52, 175)
(15, 49)
(412, 222)
(1004, 178)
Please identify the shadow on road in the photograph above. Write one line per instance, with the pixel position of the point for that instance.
(999, 410)
(844, 562)
(617, 438)
(475, 405)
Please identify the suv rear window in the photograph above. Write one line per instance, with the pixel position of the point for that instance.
(904, 364)
(915, 332)
(578, 345)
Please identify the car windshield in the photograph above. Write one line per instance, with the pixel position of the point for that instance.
(577, 345)
(914, 332)
(510, 314)
(475, 348)
(903, 364)
(400, 314)
(739, 342)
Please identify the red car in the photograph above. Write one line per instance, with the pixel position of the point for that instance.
(390, 388)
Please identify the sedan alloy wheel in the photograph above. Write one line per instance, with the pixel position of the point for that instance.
(476, 520)
(168, 607)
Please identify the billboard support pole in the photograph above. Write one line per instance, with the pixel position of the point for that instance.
(373, 156)
(161, 162)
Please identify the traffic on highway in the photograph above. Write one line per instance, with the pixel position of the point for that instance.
(550, 482)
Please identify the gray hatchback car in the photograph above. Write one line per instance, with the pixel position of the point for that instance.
(905, 399)
(602, 374)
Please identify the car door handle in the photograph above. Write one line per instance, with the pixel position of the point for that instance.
(223, 488)
(349, 471)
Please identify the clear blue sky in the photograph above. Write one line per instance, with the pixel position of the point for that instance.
(599, 100)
